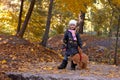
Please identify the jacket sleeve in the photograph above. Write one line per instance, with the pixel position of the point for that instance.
(79, 41)
(65, 40)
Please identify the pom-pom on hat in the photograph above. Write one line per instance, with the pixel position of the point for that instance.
(73, 22)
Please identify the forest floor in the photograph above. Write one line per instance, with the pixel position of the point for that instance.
(21, 56)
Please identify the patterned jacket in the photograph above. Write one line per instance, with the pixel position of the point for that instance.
(71, 44)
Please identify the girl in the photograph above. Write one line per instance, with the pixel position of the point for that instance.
(71, 42)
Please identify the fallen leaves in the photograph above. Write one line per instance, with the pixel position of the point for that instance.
(3, 62)
(3, 76)
(113, 74)
(19, 54)
(25, 56)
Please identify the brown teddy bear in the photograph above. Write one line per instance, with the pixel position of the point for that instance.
(81, 59)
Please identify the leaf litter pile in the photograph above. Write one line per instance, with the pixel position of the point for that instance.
(19, 55)
(15, 53)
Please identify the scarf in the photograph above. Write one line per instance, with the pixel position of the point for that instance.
(73, 34)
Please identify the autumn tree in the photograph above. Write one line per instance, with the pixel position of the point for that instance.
(20, 16)
(77, 7)
(115, 5)
(100, 19)
(24, 26)
(46, 34)
(11, 9)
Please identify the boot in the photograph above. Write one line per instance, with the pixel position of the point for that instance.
(73, 65)
(63, 65)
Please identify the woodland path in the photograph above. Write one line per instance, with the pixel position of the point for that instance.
(49, 71)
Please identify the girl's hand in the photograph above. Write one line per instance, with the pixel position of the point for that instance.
(64, 49)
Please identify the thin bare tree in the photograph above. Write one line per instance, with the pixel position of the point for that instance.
(46, 34)
(24, 26)
(20, 16)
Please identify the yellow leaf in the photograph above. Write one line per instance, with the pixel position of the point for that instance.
(4, 61)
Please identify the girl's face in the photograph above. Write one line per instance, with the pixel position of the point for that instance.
(72, 26)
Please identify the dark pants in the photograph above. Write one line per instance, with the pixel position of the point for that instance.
(66, 56)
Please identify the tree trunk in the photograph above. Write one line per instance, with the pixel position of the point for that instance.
(24, 26)
(20, 16)
(110, 28)
(81, 22)
(46, 34)
(116, 46)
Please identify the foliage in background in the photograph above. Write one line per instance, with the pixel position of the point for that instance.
(37, 22)
(9, 19)
(75, 6)
(100, 19)
(63, 11)
(8, 16)
(103, 18)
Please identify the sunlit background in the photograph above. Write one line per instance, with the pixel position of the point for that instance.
(99, 17)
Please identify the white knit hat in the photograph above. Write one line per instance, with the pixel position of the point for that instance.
(73, 22)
